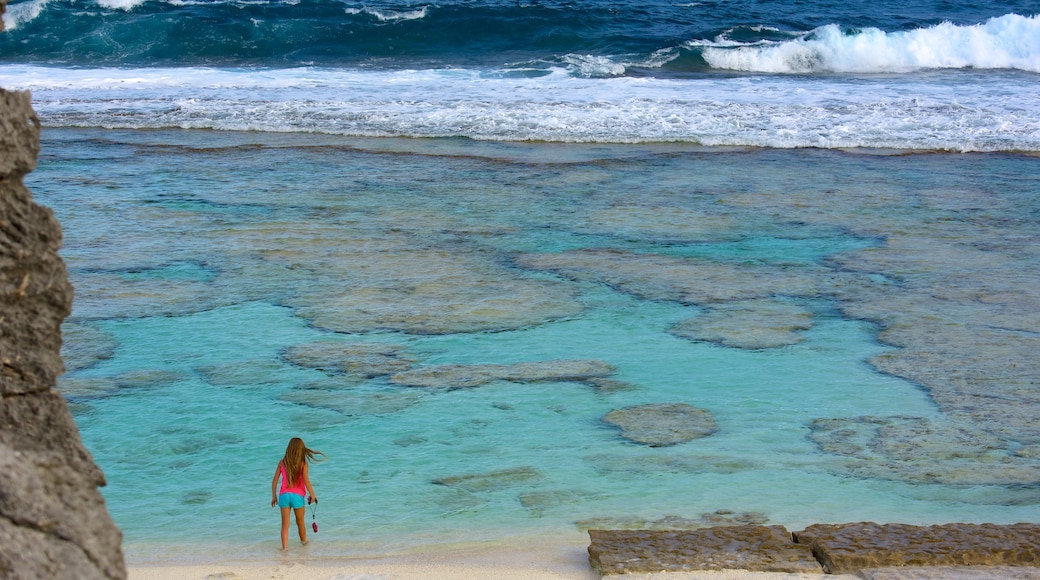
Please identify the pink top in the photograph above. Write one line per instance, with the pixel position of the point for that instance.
(299, 489)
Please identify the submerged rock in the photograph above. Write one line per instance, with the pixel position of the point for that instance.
(753, 548)
(847, 548)
(685, 280)
(502, 479)
(84, 346)
(964, 318)
(662, 424)
(148, 378)
(353, 402)
(244, 373)
(426, 291)
(672, 522)
(605, 385)
(77, 389)
(452, 501)
(751, 324)
(364, 360)
(993, 383)
(456, 376)
(112, 294)
(919, 450)
(663, 223)
(541, 502)
(609, 464)
(637, 523)
(952, 282)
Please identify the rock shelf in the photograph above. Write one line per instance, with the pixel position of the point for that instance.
(756, 548)
(867, 549)
(845, 548)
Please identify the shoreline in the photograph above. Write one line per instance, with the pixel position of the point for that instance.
(557, 560)
(882, 552)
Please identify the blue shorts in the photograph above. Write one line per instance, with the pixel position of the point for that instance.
(291, 500)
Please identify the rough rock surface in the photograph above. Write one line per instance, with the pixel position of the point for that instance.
(53, 520)
(755, 548)
(846, 548)
(662, 424)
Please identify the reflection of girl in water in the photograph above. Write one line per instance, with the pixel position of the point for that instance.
(296, 485)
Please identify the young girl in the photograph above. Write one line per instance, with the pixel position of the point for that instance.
(296, 483)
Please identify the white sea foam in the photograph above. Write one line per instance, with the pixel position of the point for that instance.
(390, 15)
(1008, 42)
(23, 13)
(954, 110)
(125, 5)
(589, 66)
(231, 2)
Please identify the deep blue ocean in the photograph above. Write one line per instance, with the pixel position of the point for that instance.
(818, 221)
(941, 75)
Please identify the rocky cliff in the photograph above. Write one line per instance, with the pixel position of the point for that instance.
(53, 520)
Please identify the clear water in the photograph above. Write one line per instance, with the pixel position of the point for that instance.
(199, 257)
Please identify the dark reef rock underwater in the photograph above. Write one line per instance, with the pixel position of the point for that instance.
(870, 550)
(53, 520)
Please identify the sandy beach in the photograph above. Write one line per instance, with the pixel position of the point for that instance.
(461, 571)
(545, 562)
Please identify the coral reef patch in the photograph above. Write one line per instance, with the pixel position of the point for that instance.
(920, 450)
(662, 424)
(459, 376)
(751, 324)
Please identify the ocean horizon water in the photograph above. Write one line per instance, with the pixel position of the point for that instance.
(483, 253)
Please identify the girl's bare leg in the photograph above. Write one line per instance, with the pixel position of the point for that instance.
(301, 523)
(285, 527)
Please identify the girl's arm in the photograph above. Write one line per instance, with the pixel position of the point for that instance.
(274, 484)
(307, 481)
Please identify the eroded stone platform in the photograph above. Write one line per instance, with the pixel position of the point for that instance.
(866, 549)
(845, 548)
(751, 547)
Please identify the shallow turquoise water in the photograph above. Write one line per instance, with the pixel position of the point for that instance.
(195, 254)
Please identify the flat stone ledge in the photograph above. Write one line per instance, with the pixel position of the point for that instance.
(750, 547)
(848, 548)
(863, 550)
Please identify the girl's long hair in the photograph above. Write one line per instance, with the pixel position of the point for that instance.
(295, 454)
